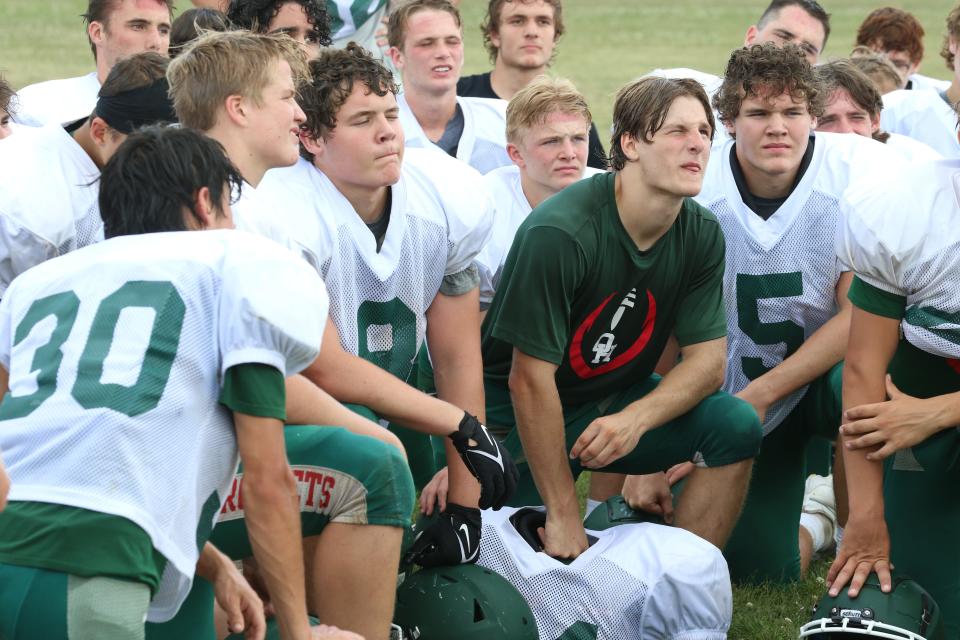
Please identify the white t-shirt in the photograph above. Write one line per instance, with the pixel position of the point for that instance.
(924, 116)
(49, 193)
(901, 236)
(511, 209)
(637, 582)
(781, 274)
(913, 151)
(440, 217)
(483, 144)
(125, 419)
(57, 101)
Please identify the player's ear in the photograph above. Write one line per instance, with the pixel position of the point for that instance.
(313, 146)
(751, 35)
(99, 130)
(629, 144)
(396, 56)
(204, 211)
(514, 152)
(234, 106)
(95, 32)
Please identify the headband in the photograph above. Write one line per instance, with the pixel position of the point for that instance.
(128, 111)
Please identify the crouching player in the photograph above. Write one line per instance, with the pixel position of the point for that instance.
(136, 370)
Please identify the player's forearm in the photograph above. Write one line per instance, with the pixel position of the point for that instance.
(818, 353)
(459, 381)
(211, 562)
(863, 384)
(539, 414)
(273, 524)
(695, 377)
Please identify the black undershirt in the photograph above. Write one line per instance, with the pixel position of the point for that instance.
(479, 86)
(379, 226)
(766, 207)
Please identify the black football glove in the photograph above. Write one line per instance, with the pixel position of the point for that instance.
(452, 538)
(487, 460)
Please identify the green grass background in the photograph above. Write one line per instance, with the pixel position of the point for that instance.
(608, 42)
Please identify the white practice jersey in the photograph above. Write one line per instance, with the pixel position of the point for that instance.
(913, 151)
(924, 116)
(511, 209)
(483, 144)
(920, 82)
(636, 582)
(440, 217)
(116, 356)
(57, 101)
(48, 199)
(781, 274)
(901, 236)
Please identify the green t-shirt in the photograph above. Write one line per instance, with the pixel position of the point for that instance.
(577, 292)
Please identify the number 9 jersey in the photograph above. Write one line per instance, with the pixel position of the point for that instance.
(116, 355)
(779, 286)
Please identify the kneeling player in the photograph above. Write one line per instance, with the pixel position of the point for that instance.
(598, 279)
(125, 361)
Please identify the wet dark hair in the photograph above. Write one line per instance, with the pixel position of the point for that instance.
(255, 15)
(154, 177)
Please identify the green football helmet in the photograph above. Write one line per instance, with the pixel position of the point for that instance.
(906, 613)
(462, 602)
(616, 511)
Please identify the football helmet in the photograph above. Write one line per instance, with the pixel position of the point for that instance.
(462, 602)
(906, 613)
(616, 511)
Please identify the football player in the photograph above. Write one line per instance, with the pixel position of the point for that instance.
(426, 46)
(521, 36)
(901, 384)
(395, 234)
(134, 372)
(115, 29)
(48, 177)
(597, 280)
(306, 21)
(898, 35)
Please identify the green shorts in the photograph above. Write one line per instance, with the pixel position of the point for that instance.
(721, 430)
(764, 545)
(36, 603)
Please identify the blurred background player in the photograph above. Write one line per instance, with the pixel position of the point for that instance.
(48, 177)
(898, 35)
(426, 46)
(115, 28)
(306, 21)
(521, 36)
(878, 68)
(191, 23)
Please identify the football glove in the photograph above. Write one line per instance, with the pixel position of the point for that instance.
(488, 461)
(452, 538)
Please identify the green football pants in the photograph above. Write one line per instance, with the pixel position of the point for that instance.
(721, 430)
(764, 545)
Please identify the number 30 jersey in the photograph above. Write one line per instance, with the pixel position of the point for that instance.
(781, 274)
(116, 354)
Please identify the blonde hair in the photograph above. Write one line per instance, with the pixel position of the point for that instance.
(545, 95)
(218, 65)
(878, 68)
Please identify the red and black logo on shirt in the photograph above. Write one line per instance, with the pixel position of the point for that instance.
(613, 336)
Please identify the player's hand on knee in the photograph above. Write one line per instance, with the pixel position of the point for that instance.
(488, 460)
(650, 493)
(865, 549)
(605, 440)
(327, 632)
(678, 472)
(435, 492)
(240, 602)
(453, 538)
(564, 537)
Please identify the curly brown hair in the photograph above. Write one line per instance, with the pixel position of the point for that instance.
(767, 70)
(491, 23)
(953, 31)
(891, 29)
(333, 76)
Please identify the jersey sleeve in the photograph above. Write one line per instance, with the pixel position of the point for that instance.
(273, 308)
(863, 241)
(20, 249)
(700, 316)
(543, 272)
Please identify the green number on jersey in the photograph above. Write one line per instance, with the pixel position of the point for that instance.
(752, 289)
(88, 391)
(402, 325)
(580, 631)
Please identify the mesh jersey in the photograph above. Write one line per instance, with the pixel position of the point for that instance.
(115, 355)
(483, 144)
(48, 199)
(781, 274)
(900, 236)
(511, 208)
(638, 581)
(440, 217)
(924, 116)
(57, 101)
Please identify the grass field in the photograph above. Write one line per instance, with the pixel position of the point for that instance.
(608, 43)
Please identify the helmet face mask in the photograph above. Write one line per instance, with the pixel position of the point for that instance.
(906, 613)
